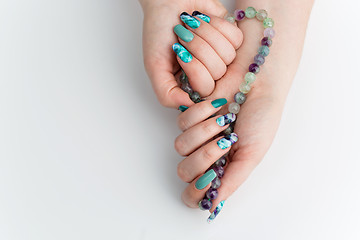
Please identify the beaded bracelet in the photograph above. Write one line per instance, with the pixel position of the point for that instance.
(239, 97)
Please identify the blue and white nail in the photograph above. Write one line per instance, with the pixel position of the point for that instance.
(227, 141)
(202, 16)
(216, 211)
(189, 20)
(226, 119)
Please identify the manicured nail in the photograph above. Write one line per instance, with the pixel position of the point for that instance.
(183, 54)
(183, 33)
(226, 119)
(205, 179)
(216, 211)
(219, 102)
(202, 16)
(189, 20)
(227, 141)
(183, 108)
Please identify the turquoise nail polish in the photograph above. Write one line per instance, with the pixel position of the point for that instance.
(190, 20)
(202, 16)
(183, 108)
(227, 141)
(219, 102)
(216, 211)
(226, 119)
(205, 179)
(183, 54)
(183, 33)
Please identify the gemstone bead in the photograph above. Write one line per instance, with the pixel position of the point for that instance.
(234, 108)
(250, 12)
(205, 204)
(244, 88)
(220, 162)
(240, 98)
(186, 88)
(183, 77)
(250, 77)
(212, 193)
(264, 50)
(261, 15)
(268, 23)
(216, 183)
(219, 171)
(254, 68)
(266, 41)
(229, 129)
(239, 14)
(269, 32)
(230, 17)
(259, 59)
(195, 97)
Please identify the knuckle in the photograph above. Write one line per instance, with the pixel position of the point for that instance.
(180, 145)
(183, 123)
(182, 173)
(207, 153)
(208, 128)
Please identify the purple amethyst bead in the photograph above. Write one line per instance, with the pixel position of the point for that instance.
(254, 68)
(239, 14)
(259, 59)
(219, 171)
(216, 183)
(211, 193)
(205, 204)
(266, 41)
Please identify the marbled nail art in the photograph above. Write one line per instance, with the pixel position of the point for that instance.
(227, 141)
(183, 54)
(216, 211)
(226, 119)
(202, 16)
(189, 20)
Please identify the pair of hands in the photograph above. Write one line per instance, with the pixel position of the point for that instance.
(214, 58)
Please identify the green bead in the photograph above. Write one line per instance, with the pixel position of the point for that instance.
(244, 88)
(250, 12)
(264, 50)
(261, 15)
(250, 77)
(268, 23)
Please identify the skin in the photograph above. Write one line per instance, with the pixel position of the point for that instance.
(259, 117)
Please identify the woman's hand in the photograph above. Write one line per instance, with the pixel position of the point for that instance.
(160, 18)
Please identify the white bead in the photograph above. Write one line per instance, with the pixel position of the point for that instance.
(234, 108)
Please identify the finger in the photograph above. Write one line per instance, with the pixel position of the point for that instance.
(204, 157)
(199, 112)
(212, 36)
(200, 49)
(194, 137)
(196, 190)
(199, 77)
(230, 31)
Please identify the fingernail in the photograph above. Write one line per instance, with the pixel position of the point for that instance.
(205, 179)
(227, 141)
(216, 211)
(183, 33)
(183, 54)
(189, 20)
(226, 119)
(202, 16)
(183, 108)
(219, 102)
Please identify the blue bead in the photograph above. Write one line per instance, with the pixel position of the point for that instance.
(264, 50)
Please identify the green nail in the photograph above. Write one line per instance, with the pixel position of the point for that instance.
(183, 33)
(205, 179)
(183, 108)
(219, 102)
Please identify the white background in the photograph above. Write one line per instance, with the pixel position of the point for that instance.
(86, 152)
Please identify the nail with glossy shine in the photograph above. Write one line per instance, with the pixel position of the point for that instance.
(183, 54)
(228, 140)
(202, 16)
(189, 20)
(205, 179)
(216, 211)
(183, 33)
(219, 102)
(226, 119)
(183, 108)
